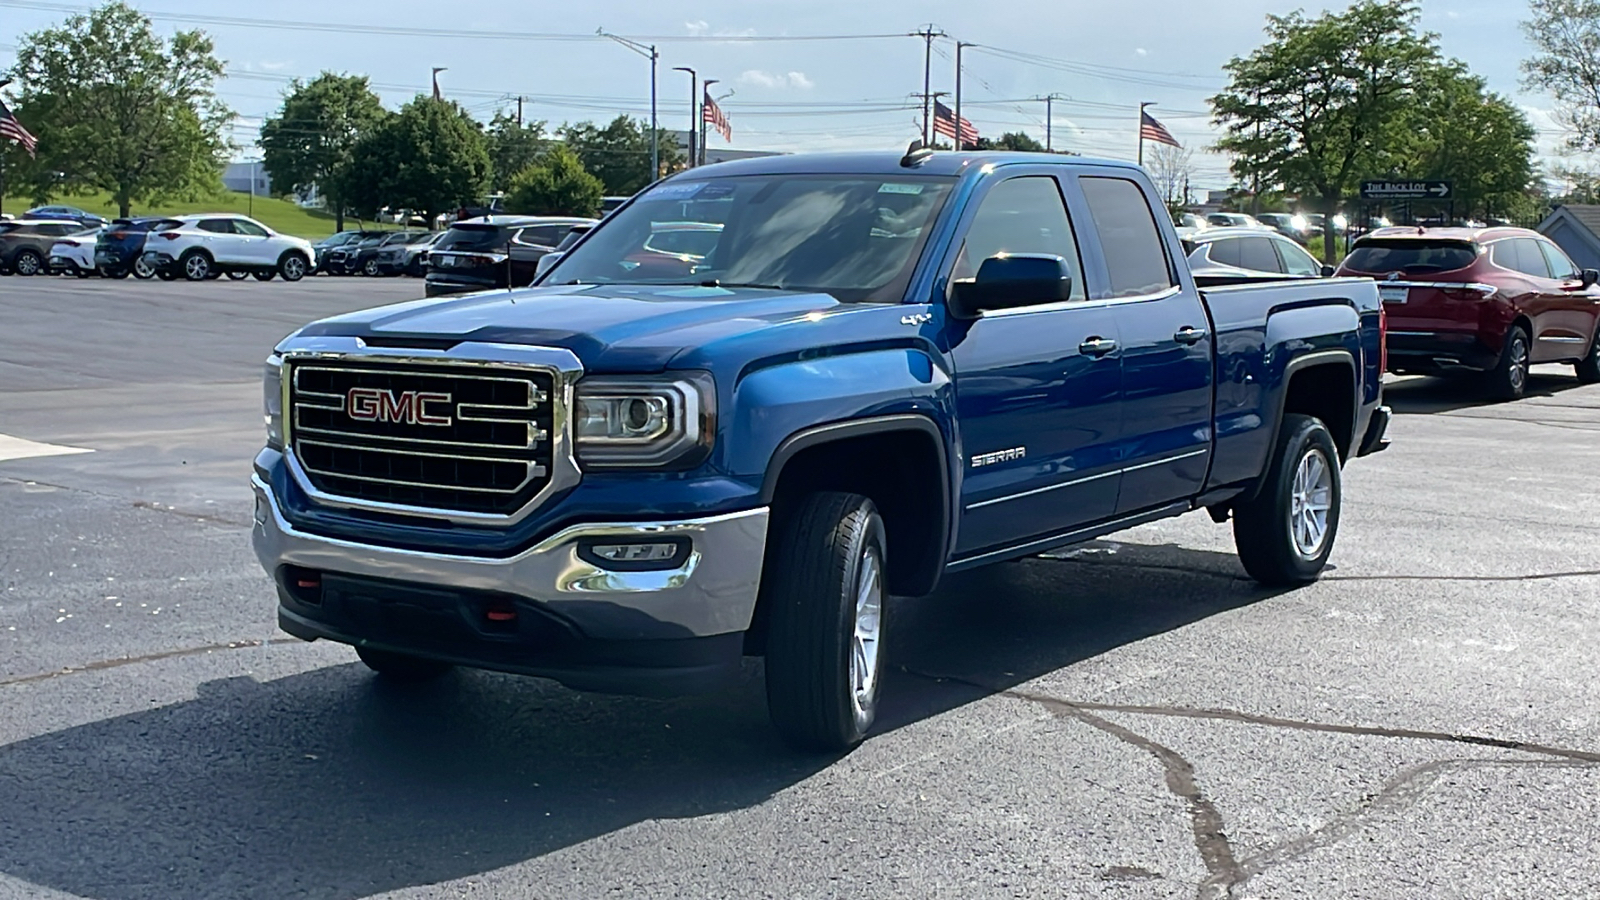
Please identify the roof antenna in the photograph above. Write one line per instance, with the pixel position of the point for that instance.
(916, 154)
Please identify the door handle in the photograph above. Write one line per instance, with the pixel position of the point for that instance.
(1189, 334)
(1097, 346)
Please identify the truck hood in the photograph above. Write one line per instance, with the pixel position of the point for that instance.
(613, 328)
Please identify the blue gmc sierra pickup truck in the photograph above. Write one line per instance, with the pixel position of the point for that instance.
(858, 372)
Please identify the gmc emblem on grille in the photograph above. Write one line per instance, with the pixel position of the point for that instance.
(405, 407)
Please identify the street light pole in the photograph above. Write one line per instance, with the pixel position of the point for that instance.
(648, 51)
(694, 108)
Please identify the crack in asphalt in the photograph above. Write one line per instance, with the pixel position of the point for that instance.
(1406, 787)
(1226, 871)
(137, 504)
(118, 662)
(1182, 570)
(1569, 426)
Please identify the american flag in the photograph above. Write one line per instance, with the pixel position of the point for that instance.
(714, 116)
(944, 122)
(12, 130)
(1151, 130)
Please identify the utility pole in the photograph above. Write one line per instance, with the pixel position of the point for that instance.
(959, 45)
(1050, 118)
(694, 110)
(1255, 169)
(928, 33)
(648, 51)
(519, 112)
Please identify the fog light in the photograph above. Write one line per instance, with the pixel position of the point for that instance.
(635, 555)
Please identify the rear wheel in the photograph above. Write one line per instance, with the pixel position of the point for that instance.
(824, 588)
(237, 275)
(166, 275)
(400, 667)
(1285, 534)
(27, 262)
(81, 272)
(143, 270)
(1588, 368)
(264, 274)
(196, 266)
(1508, 380)
(292, 267)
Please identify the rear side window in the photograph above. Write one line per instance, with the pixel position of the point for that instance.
(1256, 253)
(216, 226)
(1520, 255)
(543, 235)
(1411, 256)
(1136, 261)
(1224, 253)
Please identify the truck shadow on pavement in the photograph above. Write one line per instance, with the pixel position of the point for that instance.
(1430, 394)
(333, 784)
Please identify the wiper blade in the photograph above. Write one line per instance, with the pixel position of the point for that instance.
(742, 284)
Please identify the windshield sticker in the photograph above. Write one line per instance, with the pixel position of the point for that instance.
(681, 191)
(716, 191)
(899, 187)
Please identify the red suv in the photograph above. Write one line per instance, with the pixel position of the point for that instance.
(1484, 300)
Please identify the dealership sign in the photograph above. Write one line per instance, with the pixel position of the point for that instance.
(1406, 190)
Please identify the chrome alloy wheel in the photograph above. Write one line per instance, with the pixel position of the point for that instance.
(865, 644)
(142, 269)
(1519, 362)
(196, 267)
(1310, 502)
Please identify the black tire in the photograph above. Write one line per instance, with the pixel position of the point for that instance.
(142, 270)
(1588, 368)
(237, 275)
(1266, 529)
(400, 667)
(825, 557)
(27, 262)
(293, 266)
(1508, 380)
(370, 268)
(265, 274)
(81, 272)
(166, 275)
(196, 266)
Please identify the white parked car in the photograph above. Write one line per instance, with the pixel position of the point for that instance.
(207, 246)
(74, 254)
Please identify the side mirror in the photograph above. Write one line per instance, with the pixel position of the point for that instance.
(544, 264)
(1590, 276)
(1327, 271)
(1012, 280)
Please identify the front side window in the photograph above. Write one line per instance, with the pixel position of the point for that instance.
(1136, 261)
(1297, 261)
(1560, 265)
(856, 237)
(248, 228)
(1022, 215)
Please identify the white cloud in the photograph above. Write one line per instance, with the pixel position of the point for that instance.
(758, 78)
(697, 27)
(1140, 51)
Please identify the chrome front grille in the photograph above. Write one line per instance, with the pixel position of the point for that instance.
(460, 438)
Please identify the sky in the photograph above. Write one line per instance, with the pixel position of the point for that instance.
(820, 92)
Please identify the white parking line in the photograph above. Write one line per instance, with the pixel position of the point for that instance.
(17, 448)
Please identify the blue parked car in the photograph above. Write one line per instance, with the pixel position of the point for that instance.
(65, 212)
(875, 370)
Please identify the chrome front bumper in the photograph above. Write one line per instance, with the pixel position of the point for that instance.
(712, 593)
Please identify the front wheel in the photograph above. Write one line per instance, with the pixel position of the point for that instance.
(824, 589)
(1508, 380)
(1588, 368)
(370, 268)
(237, 275)
(264, 274)
(196, 266)
(1285, 534)
(400, 667)
(292, 267)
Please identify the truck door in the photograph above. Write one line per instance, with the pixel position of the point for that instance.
(1165, 444)
(1037, 387)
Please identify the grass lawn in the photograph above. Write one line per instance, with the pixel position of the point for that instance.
(279, 215)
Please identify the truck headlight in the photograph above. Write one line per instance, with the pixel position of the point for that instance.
(272, 400)
(634, 422)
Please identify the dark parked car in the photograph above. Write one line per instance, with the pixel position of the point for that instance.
(403, 253)
(327, 245)
(494, 252)
(119, 251)
(348, 257)
(25, 244)
(1233, 220)
(368, 256)
(1292, 226)
(1231, 255)
(69, 213)
(1481, 300)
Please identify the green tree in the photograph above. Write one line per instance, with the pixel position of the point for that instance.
(1315, 107)
(311, 141)
(1566, 36)
(429, 158)
(1011, 140)
(513, 148)
(1477, 139)
(557, 185)
(120, 109)
(619, 153)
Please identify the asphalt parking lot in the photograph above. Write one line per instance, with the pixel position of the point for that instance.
(1128, 719)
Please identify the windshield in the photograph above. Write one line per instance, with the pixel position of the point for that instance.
(1410, 255)
(475, 237)
(855, 237)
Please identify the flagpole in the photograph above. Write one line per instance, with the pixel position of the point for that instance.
(1141, 131)
(959, 45)
(4, 80)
